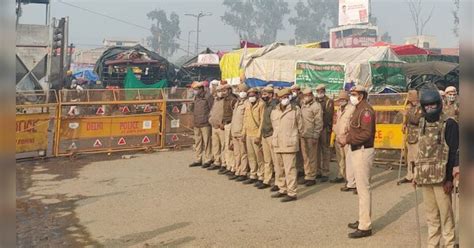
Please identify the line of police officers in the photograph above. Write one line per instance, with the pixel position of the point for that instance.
(255, 136)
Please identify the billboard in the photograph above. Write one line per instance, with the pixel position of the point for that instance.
(353, 12)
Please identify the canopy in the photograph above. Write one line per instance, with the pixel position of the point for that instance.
(230, 65)
(87, 74)
(282, 63)
(438, 68)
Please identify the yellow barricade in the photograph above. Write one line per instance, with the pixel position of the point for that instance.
(96, 121)
(35, 123)
(179, 117)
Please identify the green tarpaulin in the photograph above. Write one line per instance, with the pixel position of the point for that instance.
(311, 74)
(131, 82)
(387, 73)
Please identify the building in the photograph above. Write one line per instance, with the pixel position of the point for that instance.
(126, 42)
(356, 35)
(423, 41)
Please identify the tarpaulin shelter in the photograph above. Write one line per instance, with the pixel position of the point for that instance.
(204, 66)
(373, 67)
(440, 73)
(86, 75)
(114, 63)
(230, 65)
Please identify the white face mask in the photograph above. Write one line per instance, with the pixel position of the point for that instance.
(252, 99)
(294, 94)
(242, 94)
(219, 94)
(285, 101)
(195, 92)
(451, 98)
(343, 103)
(320, 95)
(354, 100)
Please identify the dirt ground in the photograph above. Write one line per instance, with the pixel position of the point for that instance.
(156, 200)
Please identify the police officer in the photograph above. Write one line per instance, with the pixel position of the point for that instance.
(287, 127)
(267, 132)
(238, 141)
(324, 152)
(438, 147)
(410, 128)
(253, 138)
(296, 95)
(229, 103)
(218, 134)
(202, 105)
(361, 138)
(451, 107)
(312, 127)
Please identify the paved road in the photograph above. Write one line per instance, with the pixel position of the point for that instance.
(156, 200)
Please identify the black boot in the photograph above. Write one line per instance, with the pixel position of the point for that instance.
(263, 186)
(214, 167)
(206, 165)
(274, 188)
(310, 183)
(233, 177)
(288, 198)
(354, 225)
(241, 178)
(195, 164)
(360, 234)
(250, 181)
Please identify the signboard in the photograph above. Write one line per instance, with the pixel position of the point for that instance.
(32, 132)
(387, 73)
(210, 59)
(353, 12)
(310, 74)
(388, 136)
(98, 127)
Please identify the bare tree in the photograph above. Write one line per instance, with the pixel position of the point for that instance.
(416, 8)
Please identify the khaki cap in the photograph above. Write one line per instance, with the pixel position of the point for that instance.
(307, 91)
(284, 92)
(450, 89)
(268, 89)
(221, 87)
(343, 95)
(253, 90)
(321, 87)
(358, 88)
(242, 87)
(295, 87)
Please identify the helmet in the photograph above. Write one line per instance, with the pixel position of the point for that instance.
(429, 97)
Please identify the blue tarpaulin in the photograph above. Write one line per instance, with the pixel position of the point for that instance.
(254, 82)
(87, 74)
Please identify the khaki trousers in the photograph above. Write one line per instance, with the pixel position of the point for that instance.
(202, 144)
(439, 215)
(255, 156)
(285, 164)
(341, 160)
(350, 174)
(229, 155)
(412, 153)
(324, 153)
(240, 157)
(309, 147)
(362, 160)
(218, 146)
(268, 159)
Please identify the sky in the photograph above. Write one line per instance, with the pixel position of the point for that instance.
(87, 30)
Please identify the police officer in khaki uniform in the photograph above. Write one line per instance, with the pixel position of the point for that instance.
(202, 130)
(411, 131)
(324, 152)
(340, 130)
(312, 127)
(267, 132)
(218, 134)
(451, 107)
(238, 141)
(229, 103)
(295, 99)
(361, 138)
(437, 157)
(287, 128)
(253, 137)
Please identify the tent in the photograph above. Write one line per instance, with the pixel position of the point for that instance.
(373, 67)
(86, 75)
(440, 73)
(230, 65)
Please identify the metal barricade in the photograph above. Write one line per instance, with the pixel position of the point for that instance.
(179, 117)
(35, 123)
(96, 121)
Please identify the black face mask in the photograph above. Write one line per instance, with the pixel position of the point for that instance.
(266, 98)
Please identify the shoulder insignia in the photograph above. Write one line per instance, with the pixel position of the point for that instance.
(366, 117)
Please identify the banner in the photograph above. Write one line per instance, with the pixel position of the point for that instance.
(353, 12)
(208, 59)
(310, 75)
(387, 73)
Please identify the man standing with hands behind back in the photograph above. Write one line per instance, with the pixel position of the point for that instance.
(324, 153)
(361, 138)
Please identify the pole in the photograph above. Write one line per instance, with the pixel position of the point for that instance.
(197, 33)
(62, 24)
(189, 40)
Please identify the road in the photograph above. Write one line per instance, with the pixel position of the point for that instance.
(156, 200)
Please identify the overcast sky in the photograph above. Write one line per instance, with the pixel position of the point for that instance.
(88, 30)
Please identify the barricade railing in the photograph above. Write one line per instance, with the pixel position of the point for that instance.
(179, 117)
(96, 121)
(35, 123)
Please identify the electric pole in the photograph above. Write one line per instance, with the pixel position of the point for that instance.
(198, 17)
(189, 39)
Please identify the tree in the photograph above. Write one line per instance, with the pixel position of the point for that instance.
(416, 7)
(256, 20)
(456, 18)
(164, 32)
(313, 19)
